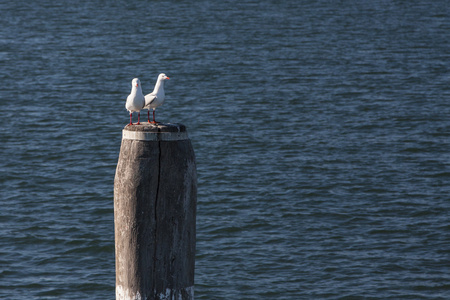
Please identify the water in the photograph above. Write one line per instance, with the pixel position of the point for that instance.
(321, 130)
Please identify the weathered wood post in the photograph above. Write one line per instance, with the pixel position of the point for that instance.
(155, 198)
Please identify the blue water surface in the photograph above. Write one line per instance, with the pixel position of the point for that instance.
(321, 131)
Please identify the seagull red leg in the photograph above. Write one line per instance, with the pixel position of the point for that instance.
(131, 114)
(148, 115)
(139, 118)
(154, 122)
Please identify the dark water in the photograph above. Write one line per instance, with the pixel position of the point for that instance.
(321, 130)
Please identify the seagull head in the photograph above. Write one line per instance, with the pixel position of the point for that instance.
(136, 82)
(163, 76)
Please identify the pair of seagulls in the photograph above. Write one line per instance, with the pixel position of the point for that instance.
(137, 101)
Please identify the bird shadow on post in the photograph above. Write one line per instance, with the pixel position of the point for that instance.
(155, 198)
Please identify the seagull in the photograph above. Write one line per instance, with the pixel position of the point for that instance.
(155, 98)
(135, 100)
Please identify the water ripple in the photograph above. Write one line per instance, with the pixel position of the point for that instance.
(321, 133)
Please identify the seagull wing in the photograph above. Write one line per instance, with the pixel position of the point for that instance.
(149, 100)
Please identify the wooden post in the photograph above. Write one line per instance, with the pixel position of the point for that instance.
(155, 198)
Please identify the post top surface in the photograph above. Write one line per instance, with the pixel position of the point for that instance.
(155, 132)
(156, 128)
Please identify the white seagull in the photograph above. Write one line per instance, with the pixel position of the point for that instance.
(135, 100)
(155, 98)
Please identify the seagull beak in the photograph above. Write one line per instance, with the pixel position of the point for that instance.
(167, 77)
